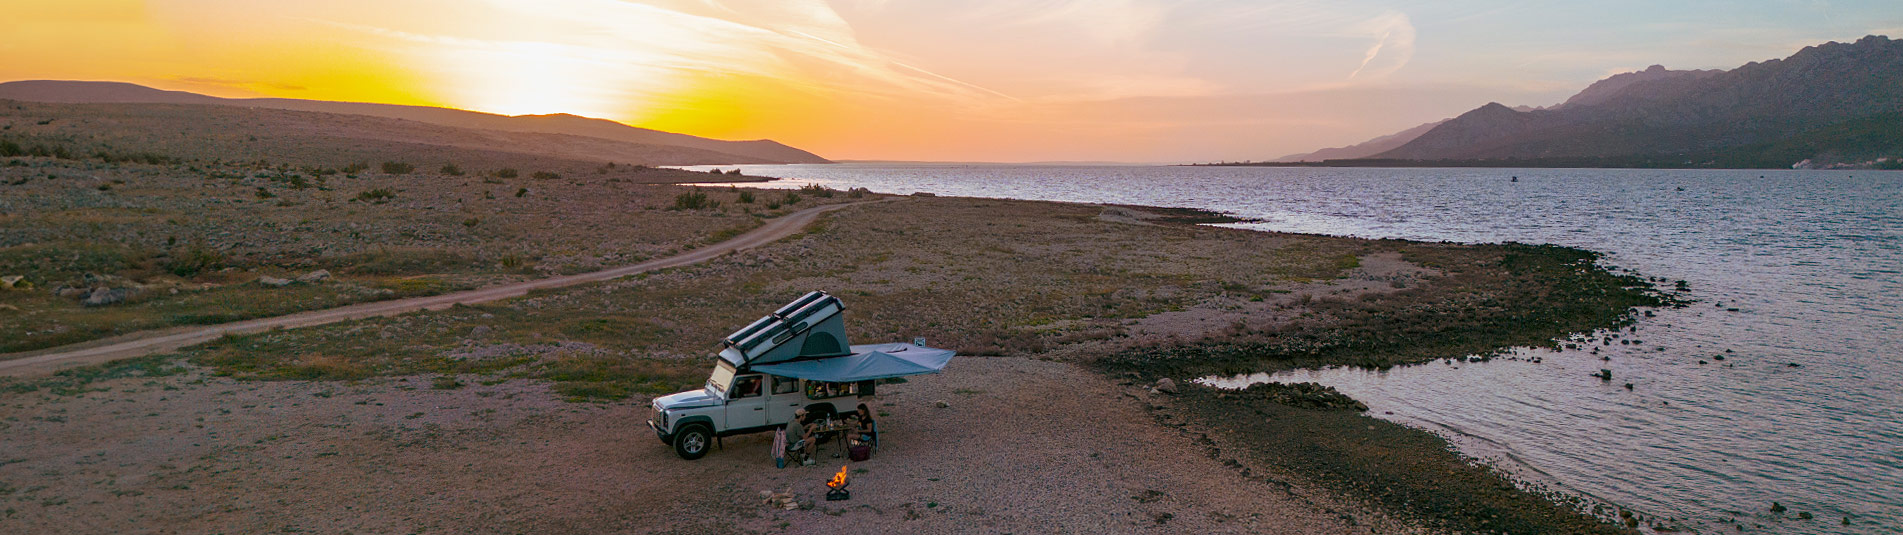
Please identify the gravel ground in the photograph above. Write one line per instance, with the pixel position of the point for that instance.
(1025, 446)
(1029, 446)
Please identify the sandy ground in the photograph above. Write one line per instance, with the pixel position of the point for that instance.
(1024, 446)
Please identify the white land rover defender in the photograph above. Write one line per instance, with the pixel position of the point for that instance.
(795, 358)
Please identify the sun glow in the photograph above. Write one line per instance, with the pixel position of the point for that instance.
(536, 78)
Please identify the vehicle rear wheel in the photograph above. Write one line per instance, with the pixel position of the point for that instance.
(692, 441)
(818, 412)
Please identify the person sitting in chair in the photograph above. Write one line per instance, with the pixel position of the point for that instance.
(865, 429)
(804, 430)
(809, 433)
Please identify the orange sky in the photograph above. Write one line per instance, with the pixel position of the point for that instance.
(979, 80)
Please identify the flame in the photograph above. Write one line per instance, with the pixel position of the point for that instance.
(839, 480)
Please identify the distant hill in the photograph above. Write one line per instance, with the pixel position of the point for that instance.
(198, 133)
(758, 151)
(1826, 103)
(1364, 149)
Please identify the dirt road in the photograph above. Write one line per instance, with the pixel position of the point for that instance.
(46, 361)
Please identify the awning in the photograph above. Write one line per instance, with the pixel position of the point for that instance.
(867, 362)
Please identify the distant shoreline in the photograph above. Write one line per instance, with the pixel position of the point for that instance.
(1542, 163)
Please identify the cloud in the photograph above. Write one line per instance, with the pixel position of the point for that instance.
(1393, 44)
(1101, 22)
(603, 57)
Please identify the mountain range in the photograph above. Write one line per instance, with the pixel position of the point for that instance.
(665, 148)
(1835, 103)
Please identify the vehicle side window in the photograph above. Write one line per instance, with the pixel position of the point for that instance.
(746, 387)
(785, 385)
(825, 390)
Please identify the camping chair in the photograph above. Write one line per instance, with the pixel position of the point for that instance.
(794, 455)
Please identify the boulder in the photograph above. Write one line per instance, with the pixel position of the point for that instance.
(274, 282)
(315, 276)
(103, 296)
(1165, 385)
(941, 404)
(72, 291)
(12, 281)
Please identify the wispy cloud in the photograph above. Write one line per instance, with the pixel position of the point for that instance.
(1393, 36)
(597, 56)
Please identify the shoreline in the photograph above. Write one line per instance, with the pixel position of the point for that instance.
(1357, 454)
(1092, 343)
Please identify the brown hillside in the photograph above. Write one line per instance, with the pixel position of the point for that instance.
(210, 132)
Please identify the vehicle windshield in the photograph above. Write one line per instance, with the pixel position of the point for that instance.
(723, 377)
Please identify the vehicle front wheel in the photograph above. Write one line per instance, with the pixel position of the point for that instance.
(692, 441)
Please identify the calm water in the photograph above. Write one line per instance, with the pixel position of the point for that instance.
(1812, 262)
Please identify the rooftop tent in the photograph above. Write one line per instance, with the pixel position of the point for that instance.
(867, 362)
(813, 326)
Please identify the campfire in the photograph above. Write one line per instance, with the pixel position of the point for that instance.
(838, 487)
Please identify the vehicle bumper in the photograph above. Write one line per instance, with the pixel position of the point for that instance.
(658, 432)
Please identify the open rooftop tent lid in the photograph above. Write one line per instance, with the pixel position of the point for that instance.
(867, 362)
(813, 326)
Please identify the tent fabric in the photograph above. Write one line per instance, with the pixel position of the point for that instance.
(867, 362)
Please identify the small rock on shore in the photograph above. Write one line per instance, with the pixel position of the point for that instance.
(103, 296)
(1303, 395)
(315, 276)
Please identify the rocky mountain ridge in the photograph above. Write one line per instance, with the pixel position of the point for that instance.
(1703, 116)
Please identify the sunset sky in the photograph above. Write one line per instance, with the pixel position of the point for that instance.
(980, 80)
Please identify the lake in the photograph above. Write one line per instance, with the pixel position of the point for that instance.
(1798, 282)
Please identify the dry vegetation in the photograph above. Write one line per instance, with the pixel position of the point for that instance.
(187, 242)
(988, 277)
(1032, 277)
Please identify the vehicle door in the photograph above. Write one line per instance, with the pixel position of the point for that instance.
(746, 402)
(783, 398)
